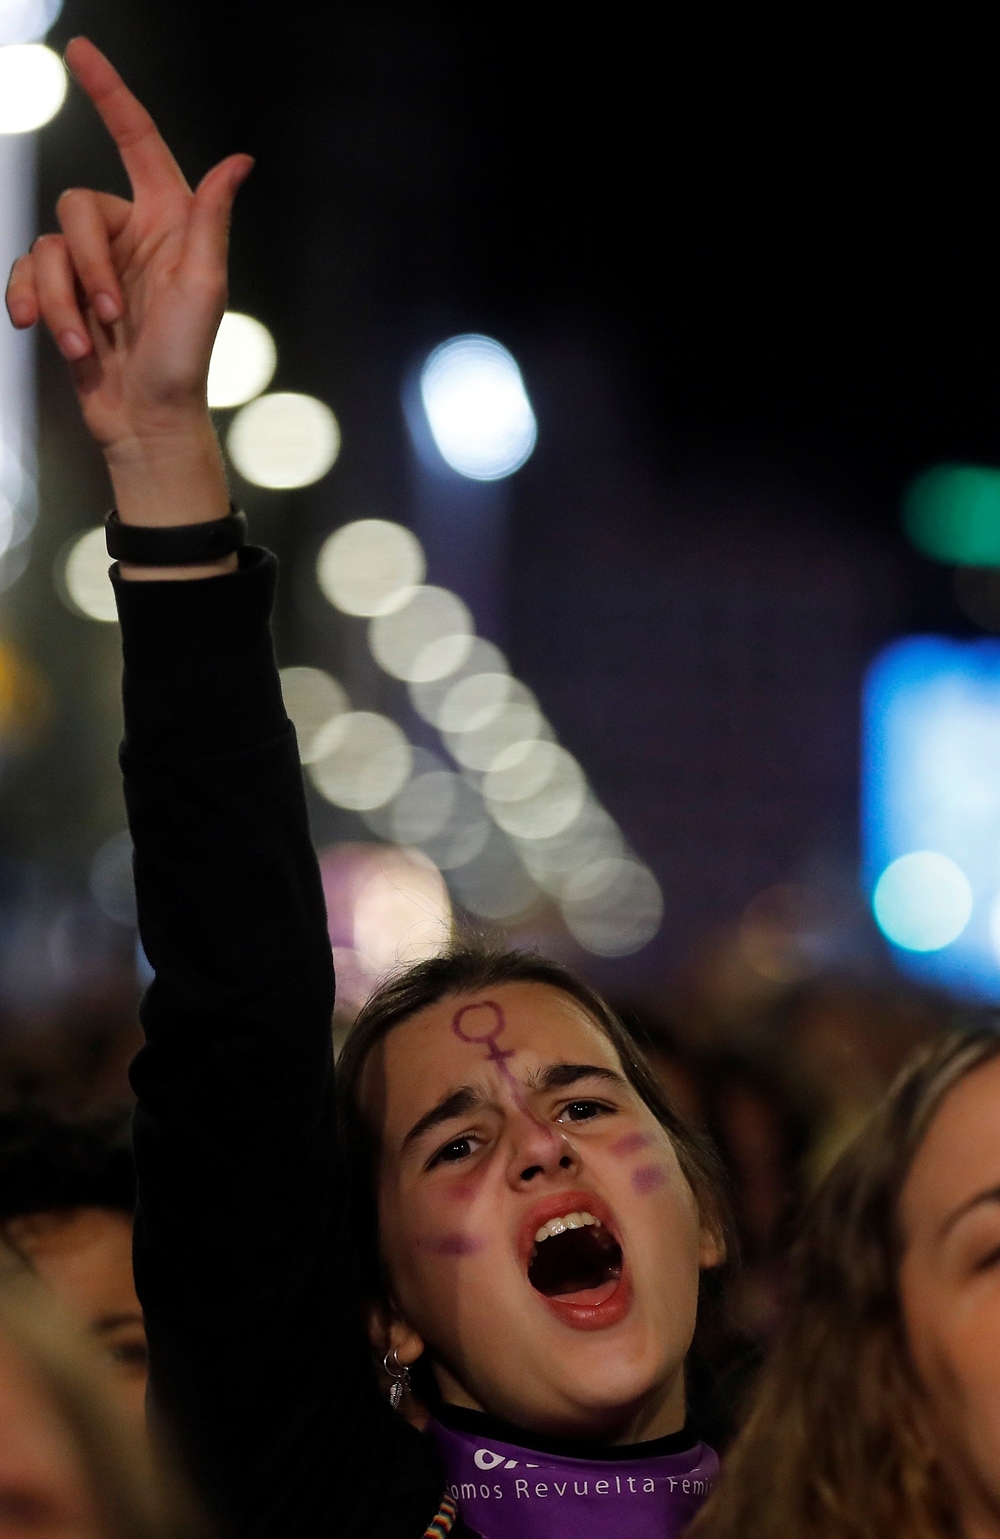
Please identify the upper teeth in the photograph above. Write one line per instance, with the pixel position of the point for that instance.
(567, 1221)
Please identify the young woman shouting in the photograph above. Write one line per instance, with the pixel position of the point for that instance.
(509, 1209)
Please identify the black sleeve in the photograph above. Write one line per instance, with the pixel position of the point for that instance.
(259, 1361)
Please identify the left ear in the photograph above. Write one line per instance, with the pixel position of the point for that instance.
(711, 1248)
(387, 1332)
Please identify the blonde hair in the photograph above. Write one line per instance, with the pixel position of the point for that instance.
(836, 1446)
(136, 1493)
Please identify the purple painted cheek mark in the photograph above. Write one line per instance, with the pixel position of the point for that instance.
(631, 1143)
(647, 1178)
(455, 1245)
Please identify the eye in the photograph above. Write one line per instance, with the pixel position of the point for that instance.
(584, 1111)
(131, 1354)
(457, 1149)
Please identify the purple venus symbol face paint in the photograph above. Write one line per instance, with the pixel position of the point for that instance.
(495, 1054)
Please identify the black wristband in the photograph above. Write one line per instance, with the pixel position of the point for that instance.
(175, 545)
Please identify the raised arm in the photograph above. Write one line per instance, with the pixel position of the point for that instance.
(257, 1351)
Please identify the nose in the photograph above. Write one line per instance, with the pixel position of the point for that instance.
(538, 1150)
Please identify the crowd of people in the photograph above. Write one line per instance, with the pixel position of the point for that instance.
(483, 1276)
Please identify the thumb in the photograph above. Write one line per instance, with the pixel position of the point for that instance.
(206, 241)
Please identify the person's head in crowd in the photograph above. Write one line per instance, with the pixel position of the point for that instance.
(534, 1217)
(72, 1466)
(879, 1413)
(67, 1198)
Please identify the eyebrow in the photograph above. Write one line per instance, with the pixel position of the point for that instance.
(451, 1105)
(991, 1194)
(560, 1076)
(112, 1322)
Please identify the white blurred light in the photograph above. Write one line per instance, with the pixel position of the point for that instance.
(284, 440)
(518, 722)
(428, 699)
(477, 408)
(32, 86)
(442, 814)
(312, 699)
(592, 835)
(360, 760)
(613, 907)
(25, 21)
(111, 880)
(370, 567)
(474, 702)
(402, 913)
(244, 359)
(922, 901)
(428, 638)
(85, 580)
(537, 794)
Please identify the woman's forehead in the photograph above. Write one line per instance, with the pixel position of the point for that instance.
(510, 1028)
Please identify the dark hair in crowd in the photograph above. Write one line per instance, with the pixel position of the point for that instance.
(836, 1446)
(50, 1162)
(467, 969)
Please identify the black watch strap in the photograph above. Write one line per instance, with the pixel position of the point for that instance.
(177, 545)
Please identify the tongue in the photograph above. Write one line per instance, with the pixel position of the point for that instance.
(586, 1296)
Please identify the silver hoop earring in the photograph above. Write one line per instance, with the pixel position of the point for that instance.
(399, 1375)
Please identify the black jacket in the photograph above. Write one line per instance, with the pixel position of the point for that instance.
(259, 1359)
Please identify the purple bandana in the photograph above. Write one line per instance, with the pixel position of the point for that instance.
(507, 1492)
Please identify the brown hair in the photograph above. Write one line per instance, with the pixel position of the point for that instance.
(465, 969)
(136, 1494)
(835, 1446)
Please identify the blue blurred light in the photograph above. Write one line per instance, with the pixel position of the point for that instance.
(922, 901)
(26, 21)
(477, 408)
(931, 807)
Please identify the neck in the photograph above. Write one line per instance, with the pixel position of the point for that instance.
(661, 1413)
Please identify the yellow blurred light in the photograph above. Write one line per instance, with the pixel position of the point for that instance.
(32, 86)
(360, 760)
(244, 359)
(283, 440)
(612, 907)
(85, 582)
(782, 932)
(312, 699)
(24, 698)
(428, 638)
(370, 567)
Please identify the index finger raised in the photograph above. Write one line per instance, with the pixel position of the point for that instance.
(145, 156)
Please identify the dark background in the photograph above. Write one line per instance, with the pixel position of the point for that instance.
(749, 274)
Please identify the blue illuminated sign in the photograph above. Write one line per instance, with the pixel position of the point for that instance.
(931, 789)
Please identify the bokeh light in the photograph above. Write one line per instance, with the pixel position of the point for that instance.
(312, 699)
(244, 359)
(360, 760)
(922, 901)
(25, 21)
(25, 702)
(427, 699)
(517, 722)
(592, 835)
(370, 567)
(612, 907)
(783, 932)
(534, 790)
(953, 514)
(32, 86)
(428, 638)
(283, 440)
(474, 702)
(443, 815)
(111, 880)
(82, 577)
(477, 408)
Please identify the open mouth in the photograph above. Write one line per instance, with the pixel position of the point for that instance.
(575, 1260)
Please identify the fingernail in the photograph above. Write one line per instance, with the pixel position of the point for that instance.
(106, 306)
(72, 345)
